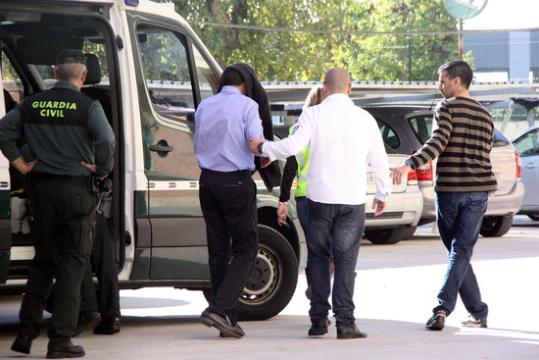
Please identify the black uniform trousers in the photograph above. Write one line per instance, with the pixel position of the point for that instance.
(104, 265)
(228, 201)
(64, 219)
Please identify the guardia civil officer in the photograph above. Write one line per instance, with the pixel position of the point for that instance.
(70, 139)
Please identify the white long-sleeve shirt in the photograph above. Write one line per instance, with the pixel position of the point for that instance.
(343, 140)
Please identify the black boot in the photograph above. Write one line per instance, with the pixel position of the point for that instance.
(68, 350)
(350, 331)
(319, 327)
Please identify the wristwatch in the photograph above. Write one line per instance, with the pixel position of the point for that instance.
(409, 163)
(259, 147)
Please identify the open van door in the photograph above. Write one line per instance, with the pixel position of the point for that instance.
(5, 232)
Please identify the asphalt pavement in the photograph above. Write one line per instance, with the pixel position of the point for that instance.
(396, 289)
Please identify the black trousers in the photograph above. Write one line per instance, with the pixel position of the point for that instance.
(64, 221)
(228, 202)
(104, 265)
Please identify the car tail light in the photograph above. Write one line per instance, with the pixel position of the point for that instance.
(412, 178)
(518, 164)
(424, 173)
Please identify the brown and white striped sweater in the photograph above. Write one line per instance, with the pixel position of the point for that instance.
(462, 143)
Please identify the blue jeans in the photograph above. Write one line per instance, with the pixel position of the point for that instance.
(334, 230)
(459, 217)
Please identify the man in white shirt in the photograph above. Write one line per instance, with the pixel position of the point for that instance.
(343, 139)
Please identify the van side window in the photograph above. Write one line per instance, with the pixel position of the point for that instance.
(208, 82)
(165, 68)
(167, 131)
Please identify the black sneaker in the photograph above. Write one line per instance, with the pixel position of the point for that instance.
(319, 327)
(437, 320)
(66, 351)
(472, 322)
(221, 323)
(350, 331)
(22, 344)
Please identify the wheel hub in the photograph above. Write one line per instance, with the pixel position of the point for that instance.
(262, 275)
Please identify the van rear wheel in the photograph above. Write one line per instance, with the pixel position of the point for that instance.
(273, 278)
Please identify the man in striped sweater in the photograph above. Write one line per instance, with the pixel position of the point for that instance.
(462, 143)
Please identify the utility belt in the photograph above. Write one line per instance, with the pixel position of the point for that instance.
(100, 187)
(65, 179)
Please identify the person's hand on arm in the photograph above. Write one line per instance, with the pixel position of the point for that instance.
(400, 173)
(256, 145)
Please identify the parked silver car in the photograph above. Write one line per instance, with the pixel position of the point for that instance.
(528, 146)
(409, 126)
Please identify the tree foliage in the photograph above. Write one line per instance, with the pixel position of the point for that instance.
(305, 55)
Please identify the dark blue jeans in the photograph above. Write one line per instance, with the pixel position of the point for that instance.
(334, 230)
(459, 217)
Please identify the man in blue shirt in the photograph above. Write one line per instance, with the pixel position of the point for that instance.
(224, 125)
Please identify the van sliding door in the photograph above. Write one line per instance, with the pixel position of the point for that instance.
(167, 98)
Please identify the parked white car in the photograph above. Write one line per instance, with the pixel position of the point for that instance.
(406, 127)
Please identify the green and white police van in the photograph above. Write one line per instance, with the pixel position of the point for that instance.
(149, 70)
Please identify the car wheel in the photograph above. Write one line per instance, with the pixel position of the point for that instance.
(494, 226)
(534, 217)
(273, 278)
(389, 236)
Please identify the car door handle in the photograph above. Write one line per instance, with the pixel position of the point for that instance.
(161, 148)
(530, 165)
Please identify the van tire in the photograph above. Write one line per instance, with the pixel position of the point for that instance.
(389, 236)
(495, 226)
(273, 278)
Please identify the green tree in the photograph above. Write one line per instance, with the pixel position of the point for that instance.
(393, 57)
(305, 55)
